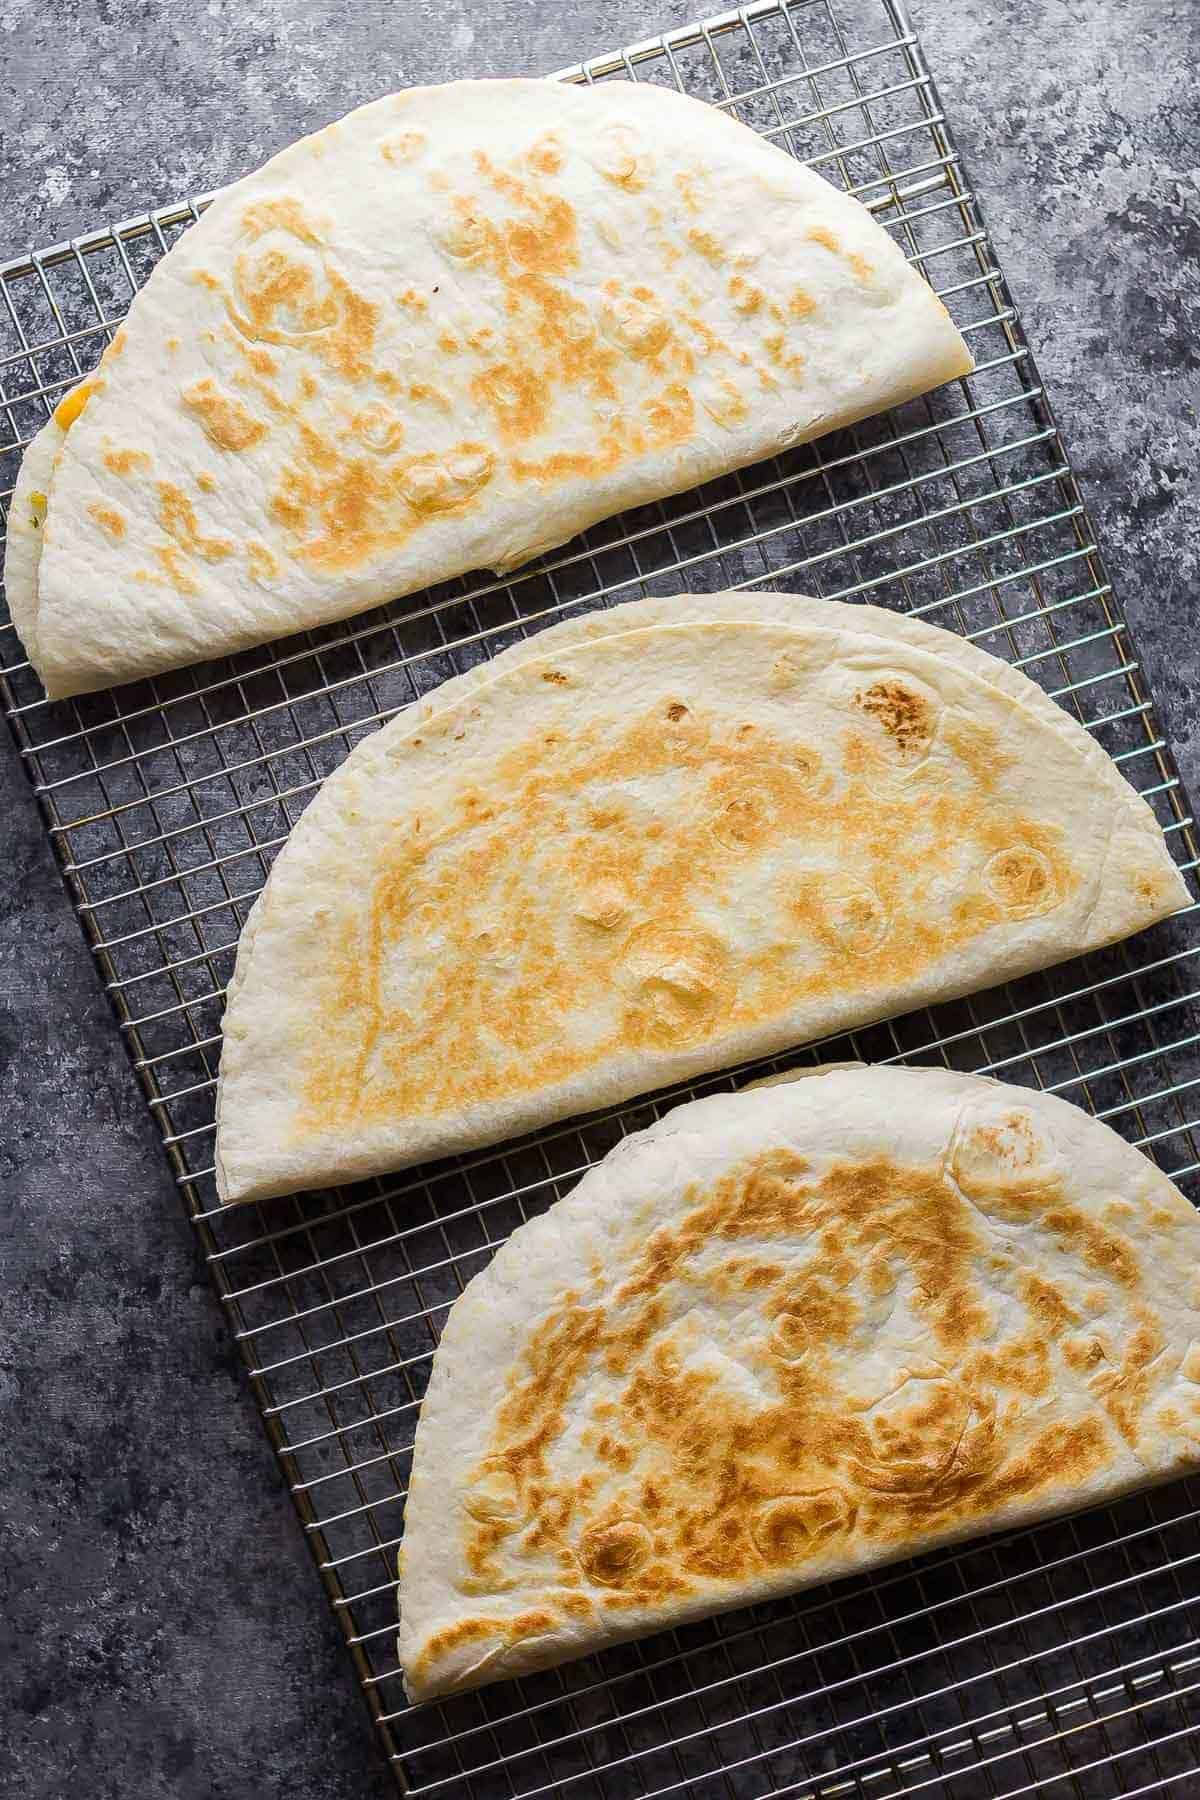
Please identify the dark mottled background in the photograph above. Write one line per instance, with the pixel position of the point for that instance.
(161, 1629)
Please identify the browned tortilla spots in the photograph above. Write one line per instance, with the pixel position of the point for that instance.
(280, 213)
(264, 565)
(124, 462)
(349, 509)
(225, 421)
(516, 399)
(670, 415)
(404, 146)
(110, 519)
(902, 713)
(746, 298)
(547, 155)
(707, 246)
(177, 516)
(186, 542)
(287, 290)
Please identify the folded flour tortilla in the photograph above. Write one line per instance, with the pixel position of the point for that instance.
(784, 1335)
(447, 333)
(651, 842)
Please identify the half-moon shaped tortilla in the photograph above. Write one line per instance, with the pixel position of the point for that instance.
(653, 842)
(787, 1334)
(447, 333)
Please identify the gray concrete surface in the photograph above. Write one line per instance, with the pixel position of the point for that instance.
(161, 1631)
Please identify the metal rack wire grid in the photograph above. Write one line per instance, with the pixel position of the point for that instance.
(1063, 1660)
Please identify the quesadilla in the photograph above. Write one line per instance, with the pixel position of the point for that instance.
(652, 842)
(448, 333)
(784, 1335)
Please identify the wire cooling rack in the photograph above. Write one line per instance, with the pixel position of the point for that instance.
(1063, 1660)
